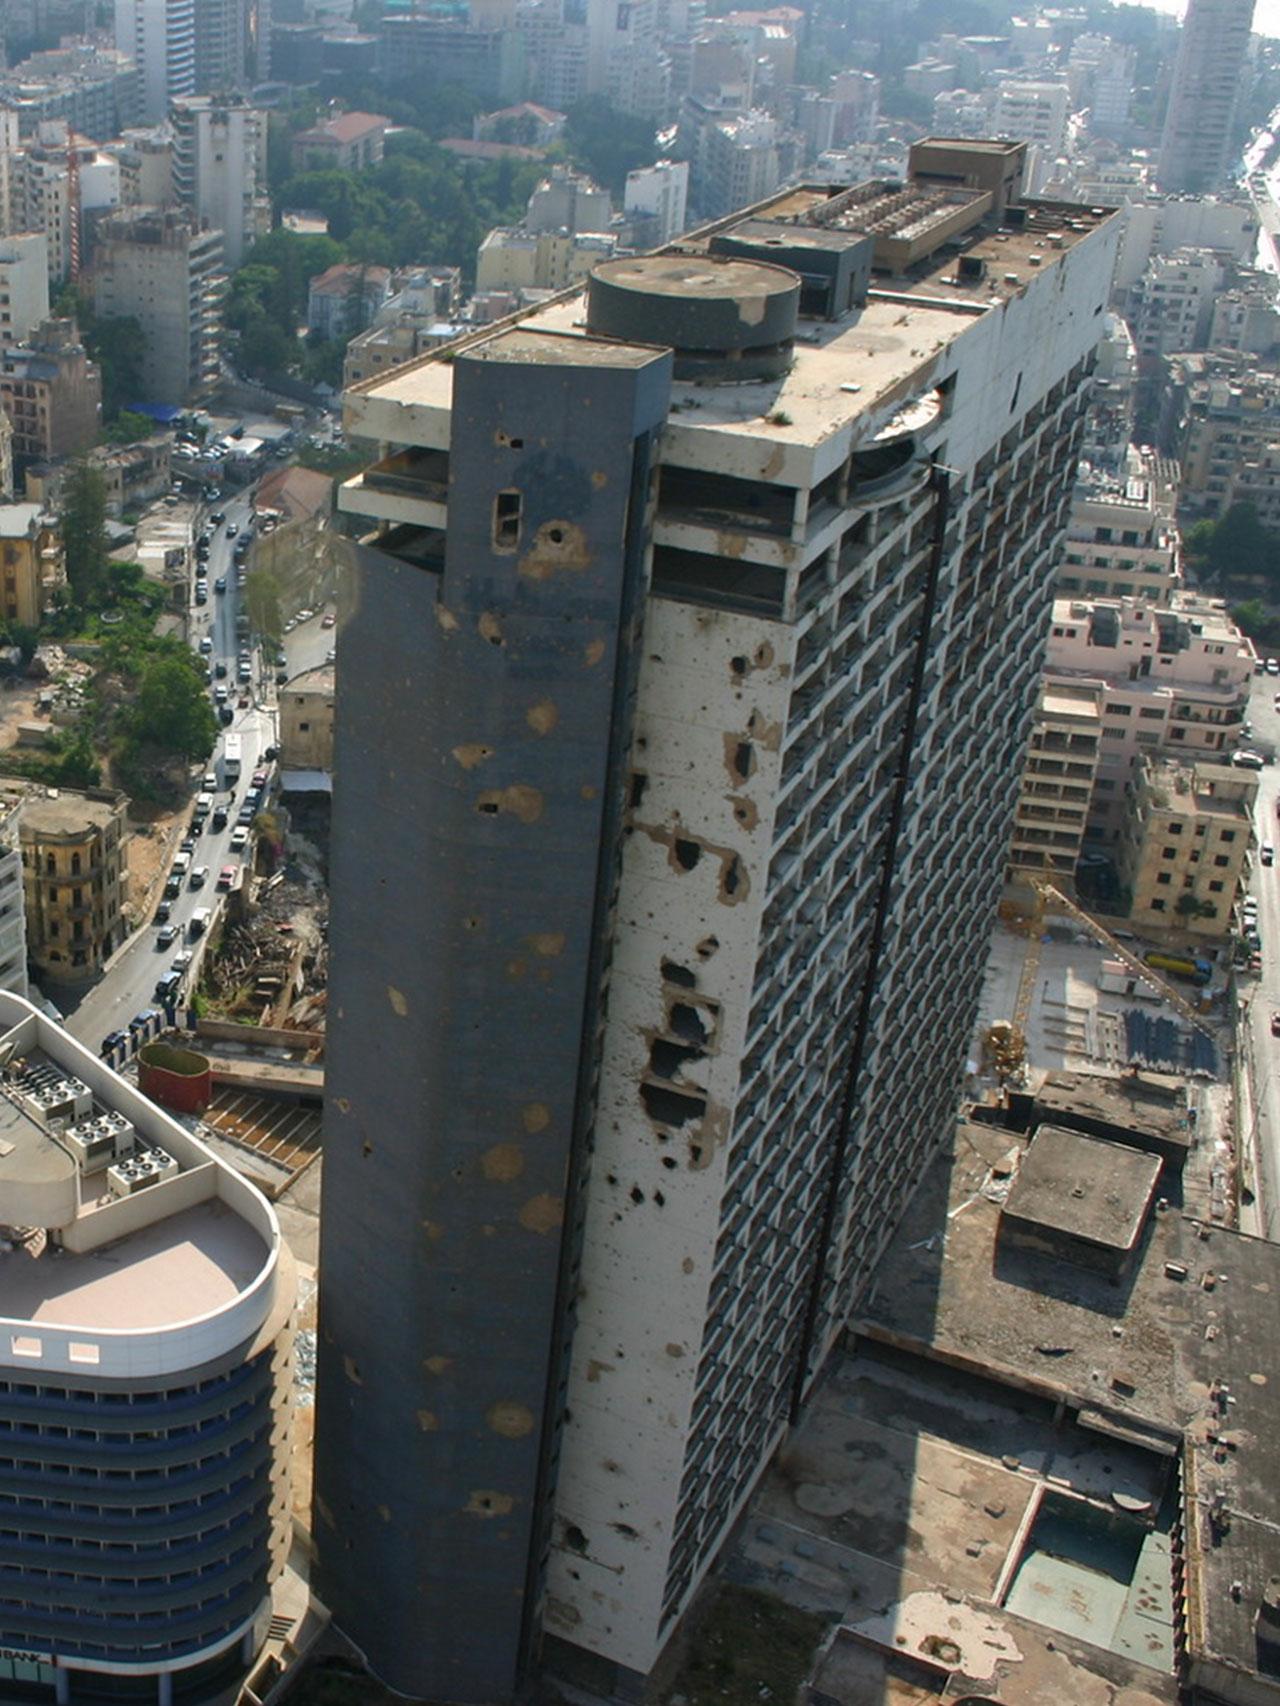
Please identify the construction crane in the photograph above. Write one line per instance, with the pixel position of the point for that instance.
(1139, 967)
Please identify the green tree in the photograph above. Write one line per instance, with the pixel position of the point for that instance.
(262, 601)
(608, 143)
(1236, 547)
(128, 427)
(172, 709)
(84, 534)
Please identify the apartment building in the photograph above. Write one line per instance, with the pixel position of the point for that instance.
(306, 720)
(24, 286)
(13, 912)
(1122, 540)
(345, 143)
(31, 566)
(220, 169)
(1186, 840)
(1171, 306)
(51, 392)
(567, 201)
(159, 36)
(1057, 782)
(344, 298)
(73, 870)
(1176, 679)
(656, 202)
(713, 622)
(1196, 142)
(511, 258)
(91, 88)
(1218, 411)
(155, 265)
(146, 1361)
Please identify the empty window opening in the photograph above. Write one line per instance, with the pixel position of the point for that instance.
(672, 1107)
(667, 1059)
(692, 1024)
(507, 507)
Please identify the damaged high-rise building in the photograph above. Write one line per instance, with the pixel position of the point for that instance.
(682, 704)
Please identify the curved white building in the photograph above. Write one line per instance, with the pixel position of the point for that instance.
(146, 1312)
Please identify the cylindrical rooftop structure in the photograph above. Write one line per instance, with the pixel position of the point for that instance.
(725, 318)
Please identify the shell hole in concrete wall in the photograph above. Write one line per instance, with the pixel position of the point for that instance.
(672, 1107)
(678, 974)
(693, 1024)
(666, 1058)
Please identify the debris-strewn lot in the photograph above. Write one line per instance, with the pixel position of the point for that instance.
(272, 964)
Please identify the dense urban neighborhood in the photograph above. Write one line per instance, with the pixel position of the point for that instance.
(639, 791)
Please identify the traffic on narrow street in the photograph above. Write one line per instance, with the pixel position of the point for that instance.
(159, 963)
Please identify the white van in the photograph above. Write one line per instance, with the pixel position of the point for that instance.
(199, 922)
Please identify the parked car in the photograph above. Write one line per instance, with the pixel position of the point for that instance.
(162, 912)
(232, 530)
(329, 619)
(239, 838)
(225, 713)
(202, 593)
(1267, 853)
(258, 779)
(227, 877)
(166, 934)
(199, 877)
(140, 1021)
(112, 1041)
(206, 644)
(1275, 1024)
(247, 813)
(168, 986)
(220, 585)
(217, 518)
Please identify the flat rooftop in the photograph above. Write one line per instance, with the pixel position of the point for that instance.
(841, 369)
(1084, 1187)
(1151, 1106)
(197, 1260)
(1181, 1358)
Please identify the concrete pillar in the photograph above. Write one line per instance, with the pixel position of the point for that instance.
(164, 1688)
(62, 1686)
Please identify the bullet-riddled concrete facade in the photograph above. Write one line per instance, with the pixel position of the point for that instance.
(686, 687)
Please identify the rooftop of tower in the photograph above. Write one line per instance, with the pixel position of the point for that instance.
(128, 1248)
(945, 255)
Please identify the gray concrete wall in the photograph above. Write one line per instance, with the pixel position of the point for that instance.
(481, 715)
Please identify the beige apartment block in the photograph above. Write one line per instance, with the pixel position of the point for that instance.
(1057, 782)
(1122, 540)
(73, 872)
(1185, 844)
(31, 563)
(306, 720)
(1175, 680)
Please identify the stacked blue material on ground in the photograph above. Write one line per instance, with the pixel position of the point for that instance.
(1164, 1046)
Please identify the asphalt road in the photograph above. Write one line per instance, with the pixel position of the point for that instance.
(128, 985)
